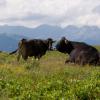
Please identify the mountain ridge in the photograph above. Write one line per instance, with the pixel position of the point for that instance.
(10, 35)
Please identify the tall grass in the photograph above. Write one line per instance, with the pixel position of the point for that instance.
(47, 79)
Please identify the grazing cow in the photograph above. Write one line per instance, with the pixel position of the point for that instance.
(34, 47)
(78, 51)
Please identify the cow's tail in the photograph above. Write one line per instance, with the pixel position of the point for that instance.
(13, 52)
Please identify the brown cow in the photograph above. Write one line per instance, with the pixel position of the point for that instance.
(34, 47)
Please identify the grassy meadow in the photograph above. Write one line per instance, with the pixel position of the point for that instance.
(47, 79)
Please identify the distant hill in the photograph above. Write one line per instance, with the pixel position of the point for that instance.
(9, 42)
(10, 35)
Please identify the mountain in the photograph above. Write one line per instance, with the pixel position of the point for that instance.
(10, 35)
(7, 43)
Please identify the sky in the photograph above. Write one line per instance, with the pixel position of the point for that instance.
(32, 13)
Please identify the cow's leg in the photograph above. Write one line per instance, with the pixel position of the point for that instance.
(70, 60)
(97, 60)
(32, 58)
(36, 58)
(82, 63)
(79, 60)
(39, 56)
(25, 57)
(67, 61)
(19, 55)
(94, 63)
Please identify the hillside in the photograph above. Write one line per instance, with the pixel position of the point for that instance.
(47, 79)
(10, 35)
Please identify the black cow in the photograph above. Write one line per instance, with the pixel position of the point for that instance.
(34, 47)
(85, 57)
(78, 51)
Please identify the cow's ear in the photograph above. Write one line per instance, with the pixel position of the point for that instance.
(66, 41)
(21, 42)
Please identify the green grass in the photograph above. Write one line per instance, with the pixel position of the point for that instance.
(47, 79)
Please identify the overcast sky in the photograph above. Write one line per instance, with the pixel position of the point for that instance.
(32, 13)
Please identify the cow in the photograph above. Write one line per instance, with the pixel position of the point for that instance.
(33, 47)
(78, 52)
(85, 57)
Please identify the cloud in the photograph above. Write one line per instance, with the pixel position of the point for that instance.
(28, 18)
(53, 12)
(2, 2)
(97, 9)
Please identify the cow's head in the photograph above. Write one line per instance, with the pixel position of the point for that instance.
(50, 43)
(64, 45)
(22, 49)
(22, 42)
